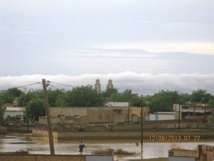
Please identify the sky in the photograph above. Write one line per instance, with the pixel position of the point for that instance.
(143, 45)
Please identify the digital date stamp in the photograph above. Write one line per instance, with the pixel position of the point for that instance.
(174, 138)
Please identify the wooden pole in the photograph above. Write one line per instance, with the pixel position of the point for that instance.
(51, 143)
(141, 127)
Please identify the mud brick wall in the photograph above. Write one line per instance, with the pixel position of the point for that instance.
(41, 157)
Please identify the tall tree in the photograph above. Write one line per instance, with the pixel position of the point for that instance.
(84, 97)
(35, 108)
(201, 96)
(163, 101)
(2, 111)
(109, 92)
(54, 95)
(25, 98)
(127, 96)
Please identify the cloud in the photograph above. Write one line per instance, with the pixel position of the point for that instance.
(141, 83)
(190, 47)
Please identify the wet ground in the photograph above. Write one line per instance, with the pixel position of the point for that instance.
(25, 142)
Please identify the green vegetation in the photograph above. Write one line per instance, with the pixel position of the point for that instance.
(163, 101)
(34, 109)
(127, 96)
(2, 110)
(85, 96)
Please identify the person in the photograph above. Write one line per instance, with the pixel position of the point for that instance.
(81, 146)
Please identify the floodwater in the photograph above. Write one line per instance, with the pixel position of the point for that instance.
(25, 142)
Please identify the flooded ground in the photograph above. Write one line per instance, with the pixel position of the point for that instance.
(25, 142)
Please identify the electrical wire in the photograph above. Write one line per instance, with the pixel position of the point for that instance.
(52, 86)
(28, 85)
(62, 84)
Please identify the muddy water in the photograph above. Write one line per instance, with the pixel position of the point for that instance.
(17, 142)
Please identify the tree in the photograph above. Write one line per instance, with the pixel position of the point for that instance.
(55, 97)
(163, 101)
(2, 111)
(83, 97)
(127, 96)
(109, 92)
(211, 103)
(25, 98)
(200, 96)
(7, 97)
(15, 92)
(35, 108)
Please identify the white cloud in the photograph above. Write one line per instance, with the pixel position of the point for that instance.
(190, 47)
(141, 83)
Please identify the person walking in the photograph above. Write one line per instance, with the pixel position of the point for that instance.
(81, 146)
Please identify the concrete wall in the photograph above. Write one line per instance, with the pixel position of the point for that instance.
(94, 114)
(18, 157)
(181, 159)
(137, 111)
(67, 111)
(99, 158)
(100, 115)
(157, 117)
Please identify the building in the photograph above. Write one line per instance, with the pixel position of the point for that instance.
(193, 111)
(110, 85)
(202, 153)
(157, 116)
(14, 112)
(92, 115)
(117, 104)
(97, 86)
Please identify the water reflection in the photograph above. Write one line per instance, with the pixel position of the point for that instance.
(17, 142)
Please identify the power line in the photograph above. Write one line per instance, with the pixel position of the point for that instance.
(62, 84)
(28, 85)
(52, 86)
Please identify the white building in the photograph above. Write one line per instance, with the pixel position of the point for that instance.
(117, 104)
(17, 112)
(162, 116)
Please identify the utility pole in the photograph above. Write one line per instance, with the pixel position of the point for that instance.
(51, 143)
(141, 127)
(179, 119)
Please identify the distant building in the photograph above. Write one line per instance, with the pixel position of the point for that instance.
(23, 89)
(85, 115)
(202, 153)
(14, 112)
(117, 104)
(162, 116)
(97, 86)
(193, 111)
(110, 85)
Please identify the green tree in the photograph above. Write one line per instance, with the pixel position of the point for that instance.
(127, 96)
(211, 103)
(25, 98)
(2, 111)
(35, 108)
(109, 92)
(7, 97)
(163, 101)
(83, 97)
(200, 96)
(15, 92)
(56, 97)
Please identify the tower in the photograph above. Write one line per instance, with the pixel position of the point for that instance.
(97, 86)
(110, 85)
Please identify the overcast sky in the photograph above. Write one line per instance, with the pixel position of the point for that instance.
(144, 45)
